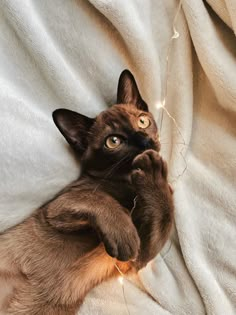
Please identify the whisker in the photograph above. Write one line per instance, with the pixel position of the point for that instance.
(118, 164)
(179, 143)
(113, 168)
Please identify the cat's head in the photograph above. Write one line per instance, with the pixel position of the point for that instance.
(108, 143)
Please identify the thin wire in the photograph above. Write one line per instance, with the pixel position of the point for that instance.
(120, 272)
(184, 144)
(139, 286)
(135, 202)
(123, 288)
(175, 123)
(163, 103)
(174, 36)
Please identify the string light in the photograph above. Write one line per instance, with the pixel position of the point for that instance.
(121, 281)
(175, 35)
(159, 105)
(135, 202)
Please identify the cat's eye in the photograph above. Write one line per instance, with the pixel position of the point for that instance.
(143, 122)
(113, 142)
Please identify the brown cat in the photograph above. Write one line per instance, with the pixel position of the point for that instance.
(50, 261)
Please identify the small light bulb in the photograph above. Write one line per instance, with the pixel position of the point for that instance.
(176, 34)
(121, 280)
(159, 105)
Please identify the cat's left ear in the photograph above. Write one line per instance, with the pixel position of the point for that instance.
(74, 127)
(128, 93)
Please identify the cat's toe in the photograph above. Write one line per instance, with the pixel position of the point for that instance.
(129, 251)
(111, 247)
(123, 244)
(137, 176)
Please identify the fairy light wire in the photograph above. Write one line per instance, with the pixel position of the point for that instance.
(121, 280)
(135, 202)
(174, 36)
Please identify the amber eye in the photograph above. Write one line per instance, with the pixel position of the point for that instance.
(113, 142)
(143, 122)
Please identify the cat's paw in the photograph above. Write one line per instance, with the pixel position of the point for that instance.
(149, 170)
(121, 240)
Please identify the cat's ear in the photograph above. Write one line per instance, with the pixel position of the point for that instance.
(74, 127)
(128, 93)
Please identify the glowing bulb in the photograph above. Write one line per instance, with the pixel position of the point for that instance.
(159, 105)
(176, 34)
(121, 280)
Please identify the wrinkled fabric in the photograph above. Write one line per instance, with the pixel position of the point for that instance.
(68, 53)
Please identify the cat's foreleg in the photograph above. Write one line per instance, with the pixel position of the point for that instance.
(72, 211)
(153, 214)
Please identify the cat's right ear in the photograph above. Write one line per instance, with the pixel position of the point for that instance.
(128, 92)
(74, 127)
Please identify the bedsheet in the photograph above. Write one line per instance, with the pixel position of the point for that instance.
(69, 53)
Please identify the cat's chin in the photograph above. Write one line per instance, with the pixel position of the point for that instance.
(121, 174)
(124, 177)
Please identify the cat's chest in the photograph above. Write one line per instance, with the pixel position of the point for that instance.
(120, 190)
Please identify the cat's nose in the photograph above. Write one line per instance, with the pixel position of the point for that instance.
(142, 141)
(145, 143)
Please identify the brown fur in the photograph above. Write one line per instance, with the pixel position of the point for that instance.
(50, 261)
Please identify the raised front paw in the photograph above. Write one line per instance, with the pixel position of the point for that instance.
(121, 238)
(149, 170)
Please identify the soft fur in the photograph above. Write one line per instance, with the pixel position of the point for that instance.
(51, 260)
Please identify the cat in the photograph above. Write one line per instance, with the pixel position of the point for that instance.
(119, 211)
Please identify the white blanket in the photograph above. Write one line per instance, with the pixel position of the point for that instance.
(69, 53)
